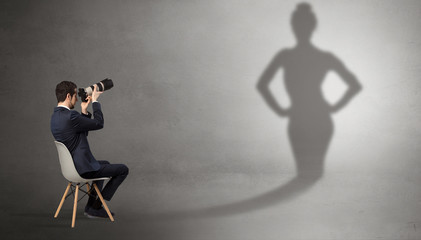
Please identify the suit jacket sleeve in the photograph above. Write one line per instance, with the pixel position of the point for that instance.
(85, 123)
(89, 115)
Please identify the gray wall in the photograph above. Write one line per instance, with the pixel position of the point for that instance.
(208, 157)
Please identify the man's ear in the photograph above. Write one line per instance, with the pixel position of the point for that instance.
(68, 96)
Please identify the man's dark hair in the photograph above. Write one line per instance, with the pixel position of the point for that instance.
(63, 88)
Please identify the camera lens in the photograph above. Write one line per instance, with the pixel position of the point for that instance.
(101, 86)
(106, 83)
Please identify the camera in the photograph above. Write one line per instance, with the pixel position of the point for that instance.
(101, 86)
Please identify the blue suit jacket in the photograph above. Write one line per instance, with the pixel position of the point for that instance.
(71, 128)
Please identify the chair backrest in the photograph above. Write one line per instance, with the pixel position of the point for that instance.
(67, 165)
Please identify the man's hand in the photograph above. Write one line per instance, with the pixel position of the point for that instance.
(95, 94)
(84, 105)
(89, 99)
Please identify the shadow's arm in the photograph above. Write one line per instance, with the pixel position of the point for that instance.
(263, 85)
(354, 87)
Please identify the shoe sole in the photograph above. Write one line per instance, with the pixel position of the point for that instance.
(94, 217)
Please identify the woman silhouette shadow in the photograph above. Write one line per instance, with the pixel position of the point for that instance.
(310, 126)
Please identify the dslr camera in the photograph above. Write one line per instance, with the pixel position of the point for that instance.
(101, 86)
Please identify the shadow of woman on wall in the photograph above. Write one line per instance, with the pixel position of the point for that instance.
(310, 127)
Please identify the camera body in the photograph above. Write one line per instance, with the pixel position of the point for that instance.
(101, 86)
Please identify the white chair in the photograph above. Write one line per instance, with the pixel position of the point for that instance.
(69, 172)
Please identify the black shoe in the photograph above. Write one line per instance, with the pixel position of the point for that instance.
(87, 208)
(97, 213)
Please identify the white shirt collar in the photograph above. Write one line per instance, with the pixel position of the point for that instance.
(63, 106)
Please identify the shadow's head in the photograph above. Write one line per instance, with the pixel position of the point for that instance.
(303, 22)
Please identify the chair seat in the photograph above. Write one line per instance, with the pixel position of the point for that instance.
(95, 179)
(68, 168)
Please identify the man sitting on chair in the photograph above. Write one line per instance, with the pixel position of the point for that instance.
(71, 128)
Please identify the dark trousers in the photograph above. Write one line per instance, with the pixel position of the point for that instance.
(117, 172)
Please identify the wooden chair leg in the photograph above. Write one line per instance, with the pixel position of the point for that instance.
(75, 206)
(87, 187)
(62, 200)
(103, 202)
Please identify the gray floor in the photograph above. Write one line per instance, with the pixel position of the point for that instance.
(230, 207)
